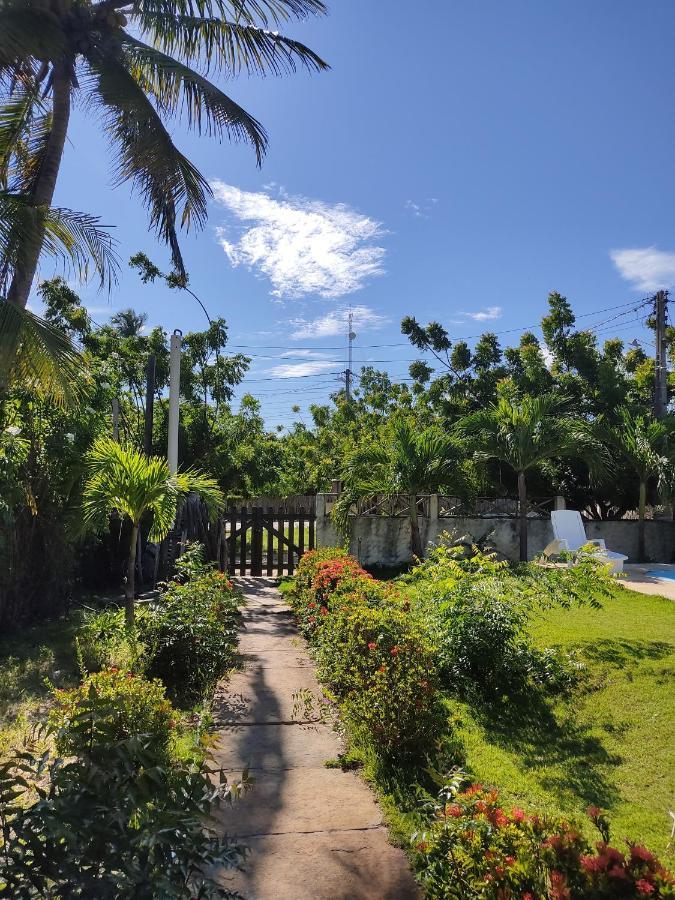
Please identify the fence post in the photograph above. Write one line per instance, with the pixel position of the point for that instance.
(320, 519)
(559, 502)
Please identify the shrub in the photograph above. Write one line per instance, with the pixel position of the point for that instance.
(480, 631)
(475, 848)
(103, 641)
(380, 664)
(109, 707)
(371, 651)
(118, 823)
(191, 635)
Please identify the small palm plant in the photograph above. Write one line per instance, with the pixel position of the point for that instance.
(641, 443)
(406, 460)
(528, 434)
(135, 485)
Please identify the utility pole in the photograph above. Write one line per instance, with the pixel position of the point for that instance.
(149, 403)
(116, 419)
(174, 398)
(349, 373)
(661, 367)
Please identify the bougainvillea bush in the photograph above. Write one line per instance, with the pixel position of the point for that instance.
(475, 848)
(372, 653)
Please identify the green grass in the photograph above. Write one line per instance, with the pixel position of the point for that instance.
(611, 742)
(27, 660)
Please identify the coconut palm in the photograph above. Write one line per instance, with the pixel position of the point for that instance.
(528, 434)
(137, 64)
(641, 443)
(135, 485)
(406, 460)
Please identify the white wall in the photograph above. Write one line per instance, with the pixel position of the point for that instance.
(385, 541)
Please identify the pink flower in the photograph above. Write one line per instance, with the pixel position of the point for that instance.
(517, 814)
(644, 887)
(372, 645)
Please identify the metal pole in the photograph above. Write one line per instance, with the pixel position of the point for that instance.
(348, 373)
(661, 370)
(149, 403)
(174, 398)
(116, 419)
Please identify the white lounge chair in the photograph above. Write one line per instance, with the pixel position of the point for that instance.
(570, 535)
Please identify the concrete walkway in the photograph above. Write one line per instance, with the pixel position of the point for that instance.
(313, 833)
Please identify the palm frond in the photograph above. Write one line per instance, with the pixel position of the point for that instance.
(27, 30)
(35, 354)
(75, 239)
(178, 88)
(167, 181)
(265, 12)
(231, 46)
(126, 480)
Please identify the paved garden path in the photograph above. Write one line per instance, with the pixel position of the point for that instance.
(313, 833)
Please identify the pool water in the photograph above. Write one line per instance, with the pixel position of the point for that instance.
(662, 573)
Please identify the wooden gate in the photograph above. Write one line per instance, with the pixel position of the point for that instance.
(266, 543)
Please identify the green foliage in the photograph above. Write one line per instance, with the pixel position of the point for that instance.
(109, 707)
(474, 848)
(103, 641)
(191, 635)
(375, 657)
(116, 823)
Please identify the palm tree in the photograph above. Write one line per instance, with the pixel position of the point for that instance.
(125, 480)
(527, 434)
(409, 461)
(53, 50)
(641, 443)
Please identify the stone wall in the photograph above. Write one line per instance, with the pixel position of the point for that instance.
(385, 541)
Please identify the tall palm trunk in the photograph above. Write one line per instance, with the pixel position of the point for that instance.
(641, 521)
(130, 589)
(45, 184)
(522, 510)
(415, 539)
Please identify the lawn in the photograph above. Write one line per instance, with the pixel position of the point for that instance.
(611, 742)
(28, 660)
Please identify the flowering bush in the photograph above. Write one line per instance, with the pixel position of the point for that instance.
(108, 707)
(191, 635)
(476, 848)
(378, 661)
(371, 651)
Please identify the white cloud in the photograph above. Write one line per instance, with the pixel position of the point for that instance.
(303, 246)
(486, 315)
(648, 268)
(421, 209)
(335, 323)
(298, 370)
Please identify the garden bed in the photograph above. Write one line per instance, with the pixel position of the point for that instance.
(549, 688)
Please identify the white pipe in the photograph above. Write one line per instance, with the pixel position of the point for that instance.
(174, 399)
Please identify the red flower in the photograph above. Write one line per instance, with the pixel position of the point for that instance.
(510, 860)
(395, 651)
(559, 889)
(517, 814)
(473, 789)
(593, 812)
(311, 605)
(372, 645)
(324, 610)
(527, 896)
(638, 853)
(644, 887)
(454, 811)
(382, 669)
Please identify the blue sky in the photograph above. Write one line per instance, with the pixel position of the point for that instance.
(459, 161)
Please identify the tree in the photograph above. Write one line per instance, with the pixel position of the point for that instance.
(51, 50)
(125, 480)
(527, 434)
(406, 460)
(641, 443)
